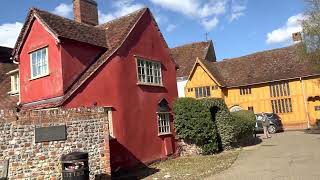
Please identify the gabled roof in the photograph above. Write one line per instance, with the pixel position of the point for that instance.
(116, 33)
(6, 65)
(186, 55)
(262, 67)
(61, 27)
(209, 69)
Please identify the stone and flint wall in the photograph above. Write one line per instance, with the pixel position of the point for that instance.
(87, 131)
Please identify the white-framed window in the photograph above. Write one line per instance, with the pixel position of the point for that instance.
(163, 123)
(149, 72)
(15, 82)
(39, 63)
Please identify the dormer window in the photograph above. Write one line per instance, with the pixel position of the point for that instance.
(39, 63)
(15, 82)
(149, 72)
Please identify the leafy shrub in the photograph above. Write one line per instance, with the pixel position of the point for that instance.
(245, 122)
(221, 116)
(193, 123)
(206, 122)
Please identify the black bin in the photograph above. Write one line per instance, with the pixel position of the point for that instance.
(75, 166)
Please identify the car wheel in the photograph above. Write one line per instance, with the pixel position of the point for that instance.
(272, 129)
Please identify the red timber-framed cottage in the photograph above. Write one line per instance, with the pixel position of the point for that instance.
(123, 65)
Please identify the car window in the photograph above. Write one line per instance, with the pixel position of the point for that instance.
(269, 116)
(259, 117)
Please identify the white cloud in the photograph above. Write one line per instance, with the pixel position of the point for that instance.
(9, 33)
(209, 24)
(237, 9)
(171, 27)
(284, 33)
(207, 12)
(120, 8)
(65, 10)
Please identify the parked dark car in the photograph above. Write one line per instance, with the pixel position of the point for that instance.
(275, 123)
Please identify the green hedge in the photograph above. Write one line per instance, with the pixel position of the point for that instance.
(193, 123)
(206, 122)
(209, 124)
(245, 122)
(222, 118)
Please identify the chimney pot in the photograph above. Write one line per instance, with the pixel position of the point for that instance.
(297, 36)
(86, 11)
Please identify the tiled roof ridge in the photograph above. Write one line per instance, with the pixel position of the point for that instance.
(121, 17)
(44, 16)
(192, 43)
(35, 9)
(244, 57)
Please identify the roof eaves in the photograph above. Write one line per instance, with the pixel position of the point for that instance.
(25, 29)
(70, 93)
(277, 80)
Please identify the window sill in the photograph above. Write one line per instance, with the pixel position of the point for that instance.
(149, 84)
(165, 134)
(38, 77)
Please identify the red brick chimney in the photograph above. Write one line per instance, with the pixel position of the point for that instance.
(86, 11)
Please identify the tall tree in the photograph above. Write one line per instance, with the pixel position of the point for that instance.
(311, 30)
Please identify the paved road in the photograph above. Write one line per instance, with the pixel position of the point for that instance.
(286, 156)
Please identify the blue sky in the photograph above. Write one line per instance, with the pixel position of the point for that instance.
(237, 27)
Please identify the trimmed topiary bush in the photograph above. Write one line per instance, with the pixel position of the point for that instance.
(245, 122)
(194, 124)
(221, 116)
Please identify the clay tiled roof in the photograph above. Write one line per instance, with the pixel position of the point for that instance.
(267, 66)
(186, 55)
(116, 32)
(63, 28)
(6, 65)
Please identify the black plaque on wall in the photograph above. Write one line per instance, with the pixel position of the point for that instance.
(4, 165)
(52, 133)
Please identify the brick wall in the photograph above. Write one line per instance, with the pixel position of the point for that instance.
(87, 130)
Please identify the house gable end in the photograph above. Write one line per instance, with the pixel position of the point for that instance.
(197, 64)
(31, 17)
(50, 84)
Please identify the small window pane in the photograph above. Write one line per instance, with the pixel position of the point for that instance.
(200, 92)
(287, 84)
(208, 91)
(149, 72)
(39, 63)
(163, 123)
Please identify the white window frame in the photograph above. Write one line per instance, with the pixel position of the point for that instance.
(46, 73)
(15, 82)
(154, 73)
(163, 124)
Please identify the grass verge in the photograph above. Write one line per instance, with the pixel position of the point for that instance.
(193, 167)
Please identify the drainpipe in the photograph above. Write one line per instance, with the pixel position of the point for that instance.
(305, 102)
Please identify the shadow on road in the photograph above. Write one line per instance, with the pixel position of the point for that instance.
(312, 131)
(248, 141)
